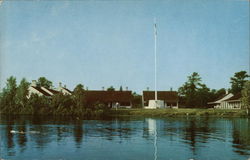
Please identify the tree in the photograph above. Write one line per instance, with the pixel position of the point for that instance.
(79, 98)
(121, 88)
(22, 93)
(7, 101)
(136, 100)
(202, 96)
(238, 81)
(246, 96)
(111, 88)
(189, 89)
(43, 82)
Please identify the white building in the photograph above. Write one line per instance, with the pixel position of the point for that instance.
(43, 91)
(166, 99)
(228, 101)
(64, 90)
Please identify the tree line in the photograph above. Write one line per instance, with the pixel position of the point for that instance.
(192, 94)
(13, 100)
(195, 94)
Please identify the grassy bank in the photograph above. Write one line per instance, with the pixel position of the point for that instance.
(179, 112)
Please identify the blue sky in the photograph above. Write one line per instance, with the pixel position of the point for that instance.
(104, 43)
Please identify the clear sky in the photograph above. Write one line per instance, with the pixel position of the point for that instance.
(103, 43)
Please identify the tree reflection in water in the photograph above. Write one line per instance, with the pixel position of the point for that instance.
(241, 136)
(196, 133)
(197, 130)
(78, 133)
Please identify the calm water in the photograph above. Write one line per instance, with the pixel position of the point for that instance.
(55, 138)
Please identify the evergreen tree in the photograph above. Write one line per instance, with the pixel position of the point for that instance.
(238, 81)
(43, 82)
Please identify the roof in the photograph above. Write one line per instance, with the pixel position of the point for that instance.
(236, 97)
(222, 98)
(108, 96)
(67, 89)
(41, 91)
(169, 96)
(52, 91)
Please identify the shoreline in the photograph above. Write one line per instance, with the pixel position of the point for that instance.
(139, 112)
(180, 112)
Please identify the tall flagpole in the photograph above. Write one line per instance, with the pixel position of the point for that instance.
(155, 35)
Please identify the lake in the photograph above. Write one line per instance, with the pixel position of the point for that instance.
(67, 138)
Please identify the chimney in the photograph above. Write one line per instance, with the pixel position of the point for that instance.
(147, 88)
(33, 83)
(103, 88)
(171, 89)
(226, 91)
(126, 88)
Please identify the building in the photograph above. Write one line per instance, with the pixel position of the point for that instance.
(64, 90)
(228, 101)
(114, 99)
(169, 98)
(43, 91)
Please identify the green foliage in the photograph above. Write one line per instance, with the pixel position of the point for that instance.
(238, 81)
(13, 100)
(246, 95)
(111, 88)
(22, 93)
(79, 97)
(136, 100)
(39, 104)
(43, 82)
(191, 89)
(195, 94)
(7, 101)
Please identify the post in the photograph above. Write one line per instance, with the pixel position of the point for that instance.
(155, 36)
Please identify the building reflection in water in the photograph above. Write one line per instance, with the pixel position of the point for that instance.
(152, 129)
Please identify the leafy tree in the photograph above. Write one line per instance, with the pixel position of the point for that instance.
(22, 93)
(39, 104)
(62, 104)
(79, 98)
(121, 88)
(202, 96)
(136, 100)
(7, 101)
(246, 96)
(238, 81)
(111, 88)
(189, 90)
(43, 82)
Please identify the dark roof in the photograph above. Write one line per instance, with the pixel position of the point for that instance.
(67, 89)
(41, 91)
(169, 96)
(235, 97)
(52, 91)
(108, 96)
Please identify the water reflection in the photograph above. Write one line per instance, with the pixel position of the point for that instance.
(152, 129)
(240, 135)
(78, 133)
(153, 138)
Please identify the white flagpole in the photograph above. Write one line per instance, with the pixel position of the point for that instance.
(155, 36)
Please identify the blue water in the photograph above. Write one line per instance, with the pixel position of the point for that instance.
(67, 138)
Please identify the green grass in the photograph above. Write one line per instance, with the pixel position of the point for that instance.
(179, 112)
